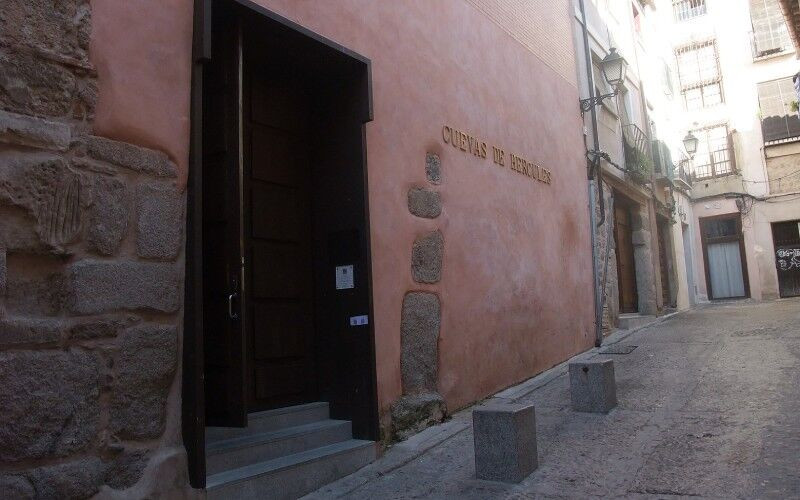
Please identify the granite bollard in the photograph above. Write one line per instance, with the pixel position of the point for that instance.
(593, 388)
(505, 442)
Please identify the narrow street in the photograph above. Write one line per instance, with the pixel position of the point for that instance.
(709, 406)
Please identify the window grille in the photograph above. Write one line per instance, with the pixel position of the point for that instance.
(713, 157)
(770, 34)
(778, 121)
(699, 75)
(688, 9)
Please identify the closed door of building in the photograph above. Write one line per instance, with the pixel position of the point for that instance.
(626, 270)
(786, 237)
(723, 249)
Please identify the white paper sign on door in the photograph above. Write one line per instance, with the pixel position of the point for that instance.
(344, 277)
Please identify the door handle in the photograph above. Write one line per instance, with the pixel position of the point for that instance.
(231, 313)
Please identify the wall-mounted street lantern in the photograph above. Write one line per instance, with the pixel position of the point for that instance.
(690, 144)
(613, 67)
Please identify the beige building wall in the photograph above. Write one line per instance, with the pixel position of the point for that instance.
(758, 167)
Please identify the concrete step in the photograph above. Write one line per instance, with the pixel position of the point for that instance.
(292, 476)
(272, 420)
(629, 321)
(249, 449)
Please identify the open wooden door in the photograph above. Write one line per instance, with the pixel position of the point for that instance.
(626, 270)
(223, 318)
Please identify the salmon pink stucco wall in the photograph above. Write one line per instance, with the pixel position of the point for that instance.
(516, 288)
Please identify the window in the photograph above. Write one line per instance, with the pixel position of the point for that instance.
(698, 72)
(688, 9)
(713, 157)
(778, 121)
(770, 35)
(637, 20)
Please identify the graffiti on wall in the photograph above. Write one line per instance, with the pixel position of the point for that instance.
(788, 258)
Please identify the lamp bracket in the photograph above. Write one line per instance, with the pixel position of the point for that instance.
(589, 103)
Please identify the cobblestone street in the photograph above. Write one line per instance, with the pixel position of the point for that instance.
(709, 405)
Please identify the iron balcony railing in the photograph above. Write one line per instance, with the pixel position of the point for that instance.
(638, 159)
(665, 168)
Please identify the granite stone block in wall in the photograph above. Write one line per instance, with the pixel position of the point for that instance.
(100, 286)
(145, 365)
(136, 158)
(50, 403)
(159, 222)
(60, 27)
(39, 86)
(426, 258)
(108, 215)
(419, 342)
(433, 168)
(413, 413)
(33, 132)
(424, 203)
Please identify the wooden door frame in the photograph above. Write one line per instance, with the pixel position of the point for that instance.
(724, 239)
(192, 388)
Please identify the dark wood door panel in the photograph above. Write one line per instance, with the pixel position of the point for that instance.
(281, 330)
(278, 212)
(276, 154)
(279, 271)
(626, 271)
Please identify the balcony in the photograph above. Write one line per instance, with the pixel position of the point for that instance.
(638, 160)
(666, 171)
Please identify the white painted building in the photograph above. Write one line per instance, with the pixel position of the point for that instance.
(733, 63)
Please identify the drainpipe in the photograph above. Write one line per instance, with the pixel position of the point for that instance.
(594, 168)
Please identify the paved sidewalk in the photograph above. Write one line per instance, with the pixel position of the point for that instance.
(709, 406)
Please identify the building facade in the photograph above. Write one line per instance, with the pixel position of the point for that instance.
(226, 219)
(735, 63)
(643, 207)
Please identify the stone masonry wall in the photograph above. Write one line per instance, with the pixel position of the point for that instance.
(421, 316)
(91, 238)
(607, 267)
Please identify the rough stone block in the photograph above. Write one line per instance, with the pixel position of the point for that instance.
(108, 215)
(98, 286)
(145, 367)
(35, 295)
(419, 342)
(424, 203)
(126, 469)
(17, 331)
(16, 486)
(505, 442)
(126, 155)
(100, 328)
(426, 258)
(433, 168)
(43, 186)
(414, 413)
(50, 402)
(33, 85)
(33, 132)
(593, 388)
(159, 223)
(62, 27)
(3, 272)
(77, 479)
